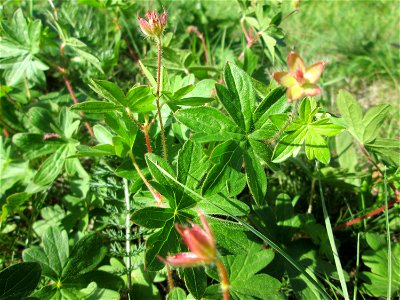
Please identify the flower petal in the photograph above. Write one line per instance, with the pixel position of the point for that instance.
(145, 27)
(311, 90)
(313, 72)
(205, 224)
(185, 259)
(284, 78)
(295, 62)
(294, 93)
(197, 240)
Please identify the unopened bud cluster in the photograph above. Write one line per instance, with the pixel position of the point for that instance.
(155, 24)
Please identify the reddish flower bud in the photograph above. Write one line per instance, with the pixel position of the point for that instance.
(154, 26)
(300, 80)
(200, 242)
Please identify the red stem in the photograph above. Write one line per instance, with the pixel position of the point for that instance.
(368, 215)
(203, 42)
(72, 94)
(146, 135)
(223, 275)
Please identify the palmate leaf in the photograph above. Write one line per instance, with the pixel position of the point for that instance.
(166, 239)
(244, 282)
(304, 130)
(376, 281)
(64, 266)
(18, 49)
(364, 128)
(209, 124)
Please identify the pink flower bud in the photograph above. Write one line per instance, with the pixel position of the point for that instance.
(154, 26)
(300, 81)
(201, 243)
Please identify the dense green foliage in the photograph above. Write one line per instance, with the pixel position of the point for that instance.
(110, 138)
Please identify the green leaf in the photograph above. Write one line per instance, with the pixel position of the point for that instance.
(87, 253)
(375, 281)
(244, 282)
(373, 120)
(102, 135)
(256, 178)
(153, 217)
(250, 61)
(96, 107)
(316, 147)
(13, 202)
(192, 165)
(195, 281)
(227, 206)
(240, 86)
(210, 123)
(225, 176)
(266, 131)
(41, 119)
(388, 148)
(273, 103)
(323, 127)
(351, 112)
(148, 75)
(53, 256)
(96, 151)
(161, 243)
(140, 99)
(19, 280)
(231, 104)
(108, 91)
(51, 167)
(82, 50)
(176, 294)
(154, 160)
(289, 145)
(178, 198)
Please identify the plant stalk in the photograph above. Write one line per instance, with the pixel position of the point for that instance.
(223, 275)
(128, 235)
(170, 279)
(159, 52)
(156, 195)
(332, 241)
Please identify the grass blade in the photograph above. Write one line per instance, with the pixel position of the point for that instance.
(331, 238)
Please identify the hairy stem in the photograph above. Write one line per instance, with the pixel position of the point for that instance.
(156, 195)
(159, 51)
(223, 275)
(170, 279)
(143, 128)
(128, 235)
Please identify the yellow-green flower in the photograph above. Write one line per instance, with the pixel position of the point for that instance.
(300, 81)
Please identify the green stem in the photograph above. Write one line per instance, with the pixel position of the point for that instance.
(159, 50)
(128, 235)
(332, 241)
(223, 276)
